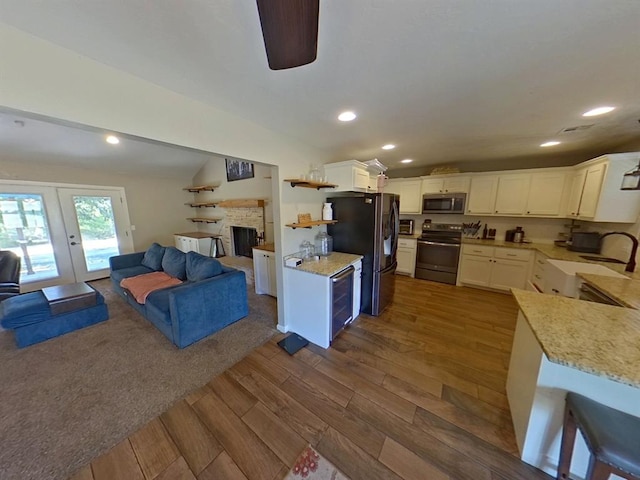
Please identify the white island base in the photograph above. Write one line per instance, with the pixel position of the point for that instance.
(536, 389)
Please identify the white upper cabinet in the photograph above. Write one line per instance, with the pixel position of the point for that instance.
(575, 192)
(546, 193)
(409, 191)
(596, 190)
(512, 194)
(448, 184)
(350, 176)
(482, 195)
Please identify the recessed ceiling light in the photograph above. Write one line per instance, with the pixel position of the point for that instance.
(550, 144)
(388, 146)
(406, 160)
(598, 111)
(113, 140)
(347, 116)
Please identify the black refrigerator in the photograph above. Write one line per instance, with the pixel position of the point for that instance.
(368, 225)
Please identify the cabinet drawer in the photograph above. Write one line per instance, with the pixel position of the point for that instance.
(480, 250)
(407, 243)
(513, 254)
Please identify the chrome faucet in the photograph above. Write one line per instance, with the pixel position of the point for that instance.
(631, 265)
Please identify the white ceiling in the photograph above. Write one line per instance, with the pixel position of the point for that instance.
(448, 81)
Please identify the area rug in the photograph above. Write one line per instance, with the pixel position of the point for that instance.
(310, 465)
(67, 400)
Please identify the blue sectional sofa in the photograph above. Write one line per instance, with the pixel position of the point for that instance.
(211, 297)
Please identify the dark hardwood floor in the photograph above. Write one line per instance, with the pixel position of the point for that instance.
(417, 393)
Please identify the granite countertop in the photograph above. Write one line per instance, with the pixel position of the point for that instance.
(198, 235)
(413, 235)
(267, 247)
(554, 253)
(328, 266)
(570, 332)
(624, 290)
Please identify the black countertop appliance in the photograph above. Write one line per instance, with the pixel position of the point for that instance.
(589, 242)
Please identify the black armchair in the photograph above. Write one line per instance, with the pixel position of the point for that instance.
(9, 275)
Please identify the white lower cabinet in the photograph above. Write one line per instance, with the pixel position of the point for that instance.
(186, 243)
(264, 272)
(310, 310)
(501, 268)
(406, 256)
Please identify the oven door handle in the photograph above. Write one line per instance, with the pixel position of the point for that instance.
(428, 242)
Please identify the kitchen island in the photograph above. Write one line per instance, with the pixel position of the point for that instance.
(311, 311)
(563, 344)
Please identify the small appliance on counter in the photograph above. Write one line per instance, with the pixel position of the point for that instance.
(406, 227)
(588, 242)
(514, 235)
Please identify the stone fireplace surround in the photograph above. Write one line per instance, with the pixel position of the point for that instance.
(252, 217)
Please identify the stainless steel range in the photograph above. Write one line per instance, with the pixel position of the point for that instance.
(438, 252)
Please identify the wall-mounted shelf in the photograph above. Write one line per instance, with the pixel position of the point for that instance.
(201, 204)
(204, 220)
(241, 203)
(310, 224)
(296, 182)
(201, 188)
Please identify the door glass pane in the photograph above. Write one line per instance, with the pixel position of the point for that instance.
(97, 230)
(24, 230)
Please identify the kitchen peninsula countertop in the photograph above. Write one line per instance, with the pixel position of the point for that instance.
(572, 333)
(624, 290)
(328, 266)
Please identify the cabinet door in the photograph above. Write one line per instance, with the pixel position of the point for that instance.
(432, 185)
(393, 186)
(360, 179)
(545, 194)
(482, 195)
(457, 184)
(406, 258)
(577, 184)
(507, 274)
(591, 191)
(260, 272)
(511, 198)
(410, 197)
(271, 269)
(475, 270)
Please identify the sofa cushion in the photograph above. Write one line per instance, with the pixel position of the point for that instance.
(200, 267)
(153, 257)
(174, 263)
(118, 275)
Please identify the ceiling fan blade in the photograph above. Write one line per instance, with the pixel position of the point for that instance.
(290, 31)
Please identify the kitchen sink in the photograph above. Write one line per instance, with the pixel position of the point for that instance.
(601, 259)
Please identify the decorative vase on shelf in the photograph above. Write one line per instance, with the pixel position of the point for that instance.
(327, 212)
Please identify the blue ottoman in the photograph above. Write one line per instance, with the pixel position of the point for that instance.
(29, 316)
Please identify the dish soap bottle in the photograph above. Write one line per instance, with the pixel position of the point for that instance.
(327, 212)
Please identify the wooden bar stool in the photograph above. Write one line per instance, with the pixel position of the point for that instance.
(613, 439)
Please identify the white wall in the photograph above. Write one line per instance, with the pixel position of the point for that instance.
(45, 79)
(156, 205)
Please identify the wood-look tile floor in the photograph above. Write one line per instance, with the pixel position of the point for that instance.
(417, 393)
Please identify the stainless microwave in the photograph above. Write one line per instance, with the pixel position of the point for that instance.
(443, 202)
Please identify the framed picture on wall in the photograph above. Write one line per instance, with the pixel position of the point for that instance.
(238, 170)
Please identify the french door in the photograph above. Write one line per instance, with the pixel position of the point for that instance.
(63, 235)
(96, 229)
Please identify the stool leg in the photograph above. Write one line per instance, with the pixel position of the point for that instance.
(597, 470)
(569, 429)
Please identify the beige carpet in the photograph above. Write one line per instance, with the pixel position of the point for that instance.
(67, 400)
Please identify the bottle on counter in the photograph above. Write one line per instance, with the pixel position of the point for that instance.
(485, 232)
